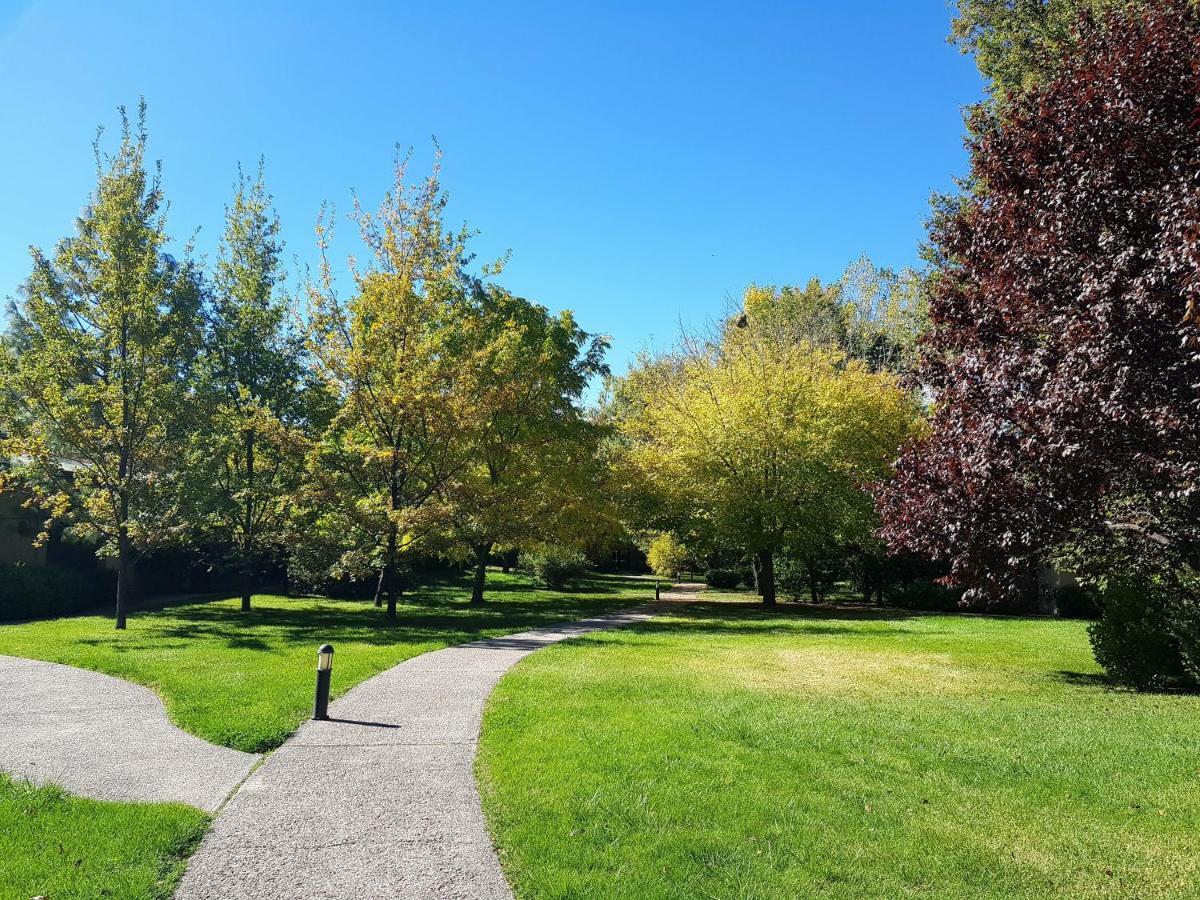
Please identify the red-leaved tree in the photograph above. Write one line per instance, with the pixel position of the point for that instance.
(1062, 352)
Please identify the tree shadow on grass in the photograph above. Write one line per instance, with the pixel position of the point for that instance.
(319, 620)
(1106, 683)
(733, 618)
(1088, 679)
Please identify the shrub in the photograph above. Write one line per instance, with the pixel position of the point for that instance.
(556, 567)
(925, 595)
(1136, 639)
(42, 592)
(794, 576)
(1185, 623)
(666, 556)
(724, 579)
(1076, 601)
(790, 577)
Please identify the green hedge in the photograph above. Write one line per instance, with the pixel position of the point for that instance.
(723, 579)
(43, 592)
(924, 595)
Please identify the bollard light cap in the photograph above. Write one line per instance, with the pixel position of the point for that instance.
(324, 657)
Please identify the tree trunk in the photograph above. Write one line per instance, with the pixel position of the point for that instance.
(248, 526)
(766, 577)
(379, 589)
(123, 573)
(390, 569)
(393, 502)
(814, 589)
(754, 574)
(481, 558)
(124, 474)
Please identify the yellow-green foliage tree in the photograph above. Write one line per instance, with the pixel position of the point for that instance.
(246, 456)
(109, 329)
(870, 313)
(399, 357)
(529, 451)
(769, 442)
(666, 555)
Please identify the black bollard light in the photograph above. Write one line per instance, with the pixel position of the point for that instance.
(656, 597)
(324, 672)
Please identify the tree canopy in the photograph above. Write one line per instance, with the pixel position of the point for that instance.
(769, 443)
(1019, 44)
(1062, 347)
(108, 331)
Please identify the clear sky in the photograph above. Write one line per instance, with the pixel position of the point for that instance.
(643, 161)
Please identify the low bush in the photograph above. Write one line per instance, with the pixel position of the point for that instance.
(1185, 623)
(723, 579)
(666, 556)
(556, 567)
(1076, 601)
(790, 577)
(1136, 639)
(812, 578)
(924, 595)
(42, 592)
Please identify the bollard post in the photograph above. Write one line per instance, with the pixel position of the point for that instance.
(324, 673)
(656, 596)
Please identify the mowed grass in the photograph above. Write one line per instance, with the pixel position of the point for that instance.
(721, 752)
(245, 680)
(57, 846)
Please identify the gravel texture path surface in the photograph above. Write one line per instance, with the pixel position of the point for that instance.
(99, 736)
(380, 800)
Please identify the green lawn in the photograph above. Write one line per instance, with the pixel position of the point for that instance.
(720, 752)
(246, 680)
(56, 846)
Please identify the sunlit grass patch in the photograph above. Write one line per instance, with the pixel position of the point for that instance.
(724, 751)
(57, 846)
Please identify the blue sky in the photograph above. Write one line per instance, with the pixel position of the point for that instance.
(643, 161)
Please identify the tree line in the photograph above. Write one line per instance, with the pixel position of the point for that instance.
(1026, 401)
(149, 401)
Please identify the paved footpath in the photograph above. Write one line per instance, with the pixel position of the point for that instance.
(379, 801)
(98, 736)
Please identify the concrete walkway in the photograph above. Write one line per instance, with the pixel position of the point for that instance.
(98, 736)
(380, 801)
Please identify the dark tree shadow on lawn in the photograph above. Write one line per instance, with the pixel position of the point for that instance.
(1088, 679)
(317, 620)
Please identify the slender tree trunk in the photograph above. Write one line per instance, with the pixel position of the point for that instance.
(754, 574)
(814, 589)
(481, 558)
(124, 474)
(123, 570)
(766, 577)
(248, 526)
(393, 501)
(390, 569)
(379, 589)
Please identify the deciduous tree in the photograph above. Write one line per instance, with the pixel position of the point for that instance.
(770, 441)
(528, 476)
(246, 455)
(1062, 353)
(398, 357)
(1019, 44)
(109, 330)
